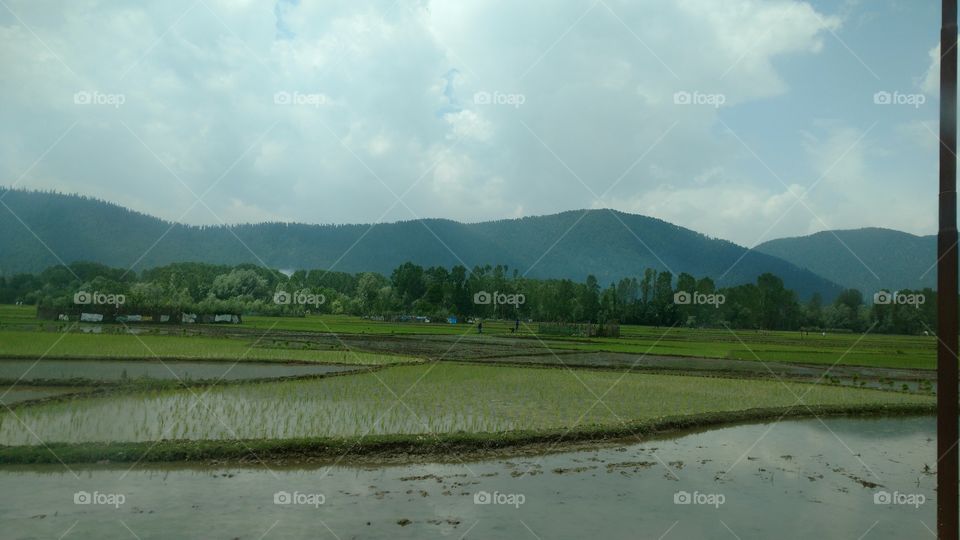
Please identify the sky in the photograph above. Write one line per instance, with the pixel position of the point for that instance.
(747, 120)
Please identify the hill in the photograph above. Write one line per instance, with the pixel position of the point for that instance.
(573, 244)
(867, 259)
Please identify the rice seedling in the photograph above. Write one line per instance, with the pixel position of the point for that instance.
(420, 399)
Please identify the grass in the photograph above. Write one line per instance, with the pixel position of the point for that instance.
(12, 314)
(15, 344)
(444, 399)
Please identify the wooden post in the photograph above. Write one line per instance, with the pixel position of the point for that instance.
(947, 325)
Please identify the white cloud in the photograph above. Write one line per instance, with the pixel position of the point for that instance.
(467, 124)
(398, 81)
(930, 83)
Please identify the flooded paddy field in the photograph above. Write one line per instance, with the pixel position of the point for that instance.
(124, 370)
(459, 435)
(18, 394)
(835, 478)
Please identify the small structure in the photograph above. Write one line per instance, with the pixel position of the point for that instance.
(128, 314)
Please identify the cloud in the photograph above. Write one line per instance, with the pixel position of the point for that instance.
(727, 209)
(930, 82)
(469, 125)
(378, 100)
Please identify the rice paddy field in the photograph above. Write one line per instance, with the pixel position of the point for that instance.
(270, 379)
(402, 426)
(876, 350)
(870, 350)
(434, 399)
(19, 344)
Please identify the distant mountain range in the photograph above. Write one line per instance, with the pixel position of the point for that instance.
(867, 259)
(608, 244)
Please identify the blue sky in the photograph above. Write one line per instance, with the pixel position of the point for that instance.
(215, 111)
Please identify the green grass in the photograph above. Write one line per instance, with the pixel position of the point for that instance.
(437, 398)
(75, 345)
(12, 314)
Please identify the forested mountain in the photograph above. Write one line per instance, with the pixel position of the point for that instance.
(867, 259)
(609, 245)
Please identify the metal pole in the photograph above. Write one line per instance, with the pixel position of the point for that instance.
(947, 324)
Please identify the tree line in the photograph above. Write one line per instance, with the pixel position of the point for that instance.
(655, 298)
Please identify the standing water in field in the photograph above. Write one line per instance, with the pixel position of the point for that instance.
(836, 478)
(117, 370)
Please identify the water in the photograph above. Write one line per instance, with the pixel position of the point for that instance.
(793, 479)
(115, 370)
(11, 395)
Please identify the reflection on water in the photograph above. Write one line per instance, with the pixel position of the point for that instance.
(115, 370)
(10, 395)
(839, 478)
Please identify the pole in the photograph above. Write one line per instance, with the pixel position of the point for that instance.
(947, 324)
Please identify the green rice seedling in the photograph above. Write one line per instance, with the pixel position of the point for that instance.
(433, 399)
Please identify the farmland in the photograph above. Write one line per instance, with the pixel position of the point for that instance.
(77, 345)
(158, 388)
(266, 338)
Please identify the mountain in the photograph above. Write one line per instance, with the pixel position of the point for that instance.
(866, 259)
(610, 245)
